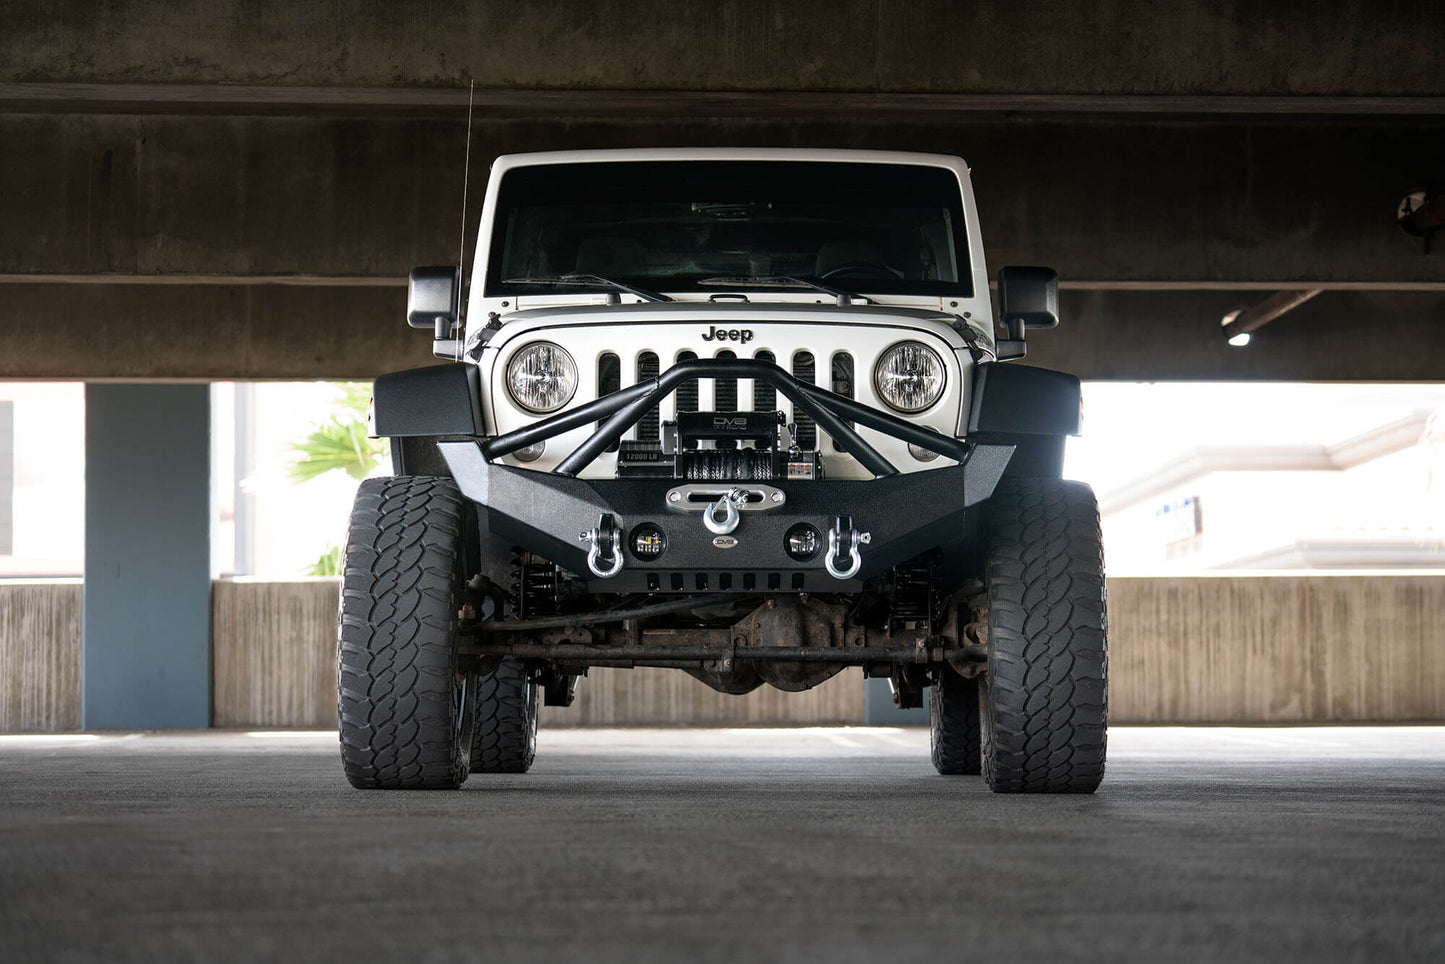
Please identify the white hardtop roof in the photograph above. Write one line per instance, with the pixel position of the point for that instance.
(507, 161)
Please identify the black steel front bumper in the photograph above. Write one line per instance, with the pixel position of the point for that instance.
(550, 513)
(547, 513)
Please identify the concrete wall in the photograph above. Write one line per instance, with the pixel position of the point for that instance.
(40, 655)
(273, 653)
(1256, 650)
(1277, 649)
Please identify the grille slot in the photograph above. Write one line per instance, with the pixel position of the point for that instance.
(687, 391)
(841, 382)
(647, 368)
(725, 398)
(765, 396)
(609, 380)
(805, 370)
(843, 374)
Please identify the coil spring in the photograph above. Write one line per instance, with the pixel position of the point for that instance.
(913, 592)
(534, 586)
(710, 465)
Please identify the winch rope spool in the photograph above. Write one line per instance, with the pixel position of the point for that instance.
(712, 465)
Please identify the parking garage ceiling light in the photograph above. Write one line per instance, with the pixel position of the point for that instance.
(1238, 324)
(1240, 338)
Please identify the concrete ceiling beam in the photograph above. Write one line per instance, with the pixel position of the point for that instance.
(40, 97)
(1131, 47)
(1279, 202)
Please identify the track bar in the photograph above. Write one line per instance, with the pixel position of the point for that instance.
(804, 654)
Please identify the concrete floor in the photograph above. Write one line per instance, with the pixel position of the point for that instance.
(835, 845)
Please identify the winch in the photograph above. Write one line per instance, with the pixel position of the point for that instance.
(720, 447)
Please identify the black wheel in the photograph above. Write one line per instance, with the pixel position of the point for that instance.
(954, 724)
(1045, 696)
(505, 710)
(402, 700)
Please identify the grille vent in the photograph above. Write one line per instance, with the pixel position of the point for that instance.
(687, 391)
(725, 398)
(609, 380)
(647, 368)
(765, 396)
(805, 370)
(842, 382)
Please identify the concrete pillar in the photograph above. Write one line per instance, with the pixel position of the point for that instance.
(146, 652)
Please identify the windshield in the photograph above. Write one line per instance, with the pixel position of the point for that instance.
(671, 225)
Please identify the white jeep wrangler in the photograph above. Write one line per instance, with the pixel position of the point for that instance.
(737, 412)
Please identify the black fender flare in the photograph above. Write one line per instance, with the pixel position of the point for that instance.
(1033, 409)
(437, 400)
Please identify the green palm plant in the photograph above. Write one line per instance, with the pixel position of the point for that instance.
(328, 563)
(339, 442)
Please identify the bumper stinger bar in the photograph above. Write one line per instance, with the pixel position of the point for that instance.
(623, 409)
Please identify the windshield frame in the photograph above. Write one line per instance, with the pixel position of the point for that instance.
(805, 180)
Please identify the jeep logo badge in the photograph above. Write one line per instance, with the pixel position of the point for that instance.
(714, 333)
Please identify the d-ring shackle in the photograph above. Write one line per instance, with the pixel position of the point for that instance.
(843, 536)
(605, 536)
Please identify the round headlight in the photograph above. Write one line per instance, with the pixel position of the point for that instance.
(909, 376)
(542, 377)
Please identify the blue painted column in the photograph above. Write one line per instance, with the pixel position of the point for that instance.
(146, 660)
(878, 708)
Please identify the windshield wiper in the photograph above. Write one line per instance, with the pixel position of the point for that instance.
(590, 281)
(785, 281)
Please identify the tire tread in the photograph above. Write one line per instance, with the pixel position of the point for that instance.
(505, 736)
(1046, 704)
(955, 735)
(396, 645)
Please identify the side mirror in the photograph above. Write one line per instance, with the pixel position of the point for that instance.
(432, 299)
(1028, 297)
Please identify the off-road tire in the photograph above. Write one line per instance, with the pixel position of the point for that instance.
(954, 724)
(1045, 693)
(401, 698)
(505, 708)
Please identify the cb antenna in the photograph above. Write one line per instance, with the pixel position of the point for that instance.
(466, 173)
(462, 248)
